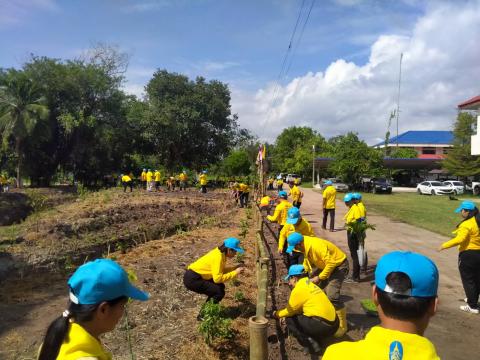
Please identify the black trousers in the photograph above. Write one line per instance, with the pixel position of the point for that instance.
(297, 204)
(469, 266)
(157, 185)
(127, 184)
(353, 247)
(332, 218)
(303, 327)
(243, 196)
(204, 189)
(196, 283)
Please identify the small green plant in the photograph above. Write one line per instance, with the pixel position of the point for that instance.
(360, 227)
(68, 264)
(214, 323)
(239, 296)
(248, 213)
(243, 228)
(235, 282)
(239, 258)
(208, 221)
(82, 191)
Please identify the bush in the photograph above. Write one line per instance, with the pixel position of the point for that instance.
(214, 323)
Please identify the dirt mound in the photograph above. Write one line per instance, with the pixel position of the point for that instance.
(14, 208)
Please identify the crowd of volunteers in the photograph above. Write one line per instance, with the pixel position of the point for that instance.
(404, 289)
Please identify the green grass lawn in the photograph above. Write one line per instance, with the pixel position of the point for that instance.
(434, 213)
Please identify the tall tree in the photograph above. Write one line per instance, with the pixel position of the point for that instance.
(459, 160)
(22, 109)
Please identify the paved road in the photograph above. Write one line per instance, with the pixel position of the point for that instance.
(450, 326)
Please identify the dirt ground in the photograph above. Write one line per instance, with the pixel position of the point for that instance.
(165, 327)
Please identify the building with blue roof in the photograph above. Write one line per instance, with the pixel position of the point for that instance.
(429, 144)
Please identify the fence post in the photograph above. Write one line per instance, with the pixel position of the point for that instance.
(258, 326)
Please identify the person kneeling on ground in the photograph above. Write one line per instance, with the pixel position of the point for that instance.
(310, 316)
(99, 291)
(208, 274)
(405, 293)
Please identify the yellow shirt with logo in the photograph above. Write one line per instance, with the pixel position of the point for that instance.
(157, 176)
(362, 210)
(80, 344)
(323, 255)
(280, 214)
(303, 227)
(308, 299)
(296, 193)
(352, 215)
(126, 178)
(203, 179)
(149, 176)
(384, 344)
(212, 266)
(467, 236)
(329, 194)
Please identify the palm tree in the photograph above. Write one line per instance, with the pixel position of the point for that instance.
(21, 110)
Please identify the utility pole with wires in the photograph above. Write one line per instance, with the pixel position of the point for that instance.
(313, 166)
(398, 97)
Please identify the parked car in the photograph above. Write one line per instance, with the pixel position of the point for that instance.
(377, 185)
(292, 177)
(457, 186)
(338, 184)
(434, 188)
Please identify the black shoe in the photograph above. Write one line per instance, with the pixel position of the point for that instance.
(313, 347)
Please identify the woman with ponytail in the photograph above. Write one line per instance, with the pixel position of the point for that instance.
(468, 240)
(99, 291)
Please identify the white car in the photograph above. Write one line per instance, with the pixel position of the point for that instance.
(457, 186)
(434, 188)
(292, 177)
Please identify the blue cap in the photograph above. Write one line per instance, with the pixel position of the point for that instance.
(234, 244)
(422, 271)
(466, 205)
(283, 194)
(328, 182)
(101, 280)
(357, 196)
(348, 197)
(295, 270)
(293, 240)
(293, 215)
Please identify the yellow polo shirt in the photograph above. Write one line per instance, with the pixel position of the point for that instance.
(149, 176)
(126, 178)
(296, 193)
(384, 344)
(203, 179)
(362, 210)
(280, 214)
(303, 227)
(329, 194)
(212, 266)
(467, 236)
(308, 299)
(352, 215)
(322, 254)
(80, 344)
(157, 176)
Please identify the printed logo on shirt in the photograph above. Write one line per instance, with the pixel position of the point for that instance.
(396, 351)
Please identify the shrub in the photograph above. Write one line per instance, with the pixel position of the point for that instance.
(214, 323)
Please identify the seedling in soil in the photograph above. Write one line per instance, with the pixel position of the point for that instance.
(214, 323)
(239, 296)
(239, 258)
(248, 212)
(243, 229)
(235, 282)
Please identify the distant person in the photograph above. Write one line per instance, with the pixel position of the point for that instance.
(353, 239)
(296, 194)
(243, 193)
(158, 178)
(280, 214)
(310, 316)
(362, 211)
(468, 241)
(405, 293)
(294, 223)
(183, 181)
(150, 181)
(203, 182)
(329, 195)
(209, 273)
(270, 183)
(99, 292)
(327, 266)
(3, 183)
(126, 182)
(143, 179)
(279, 184)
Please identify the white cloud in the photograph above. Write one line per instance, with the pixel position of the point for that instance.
(134, 89)
(14, 12)
(144, 6)
(441, 68)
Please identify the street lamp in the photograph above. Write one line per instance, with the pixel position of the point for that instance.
(313, 166)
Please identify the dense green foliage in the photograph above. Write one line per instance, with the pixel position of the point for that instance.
(459, 160)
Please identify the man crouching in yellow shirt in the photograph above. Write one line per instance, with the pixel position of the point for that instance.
(405, 293)
(310, 316)
(208, 274)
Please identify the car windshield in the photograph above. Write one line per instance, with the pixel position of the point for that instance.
(457, 183)
(381, 180)
(436, 183)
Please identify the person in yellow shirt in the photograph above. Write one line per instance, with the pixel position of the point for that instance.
(270, 183)
(99, 291)
(353, 240)
(3, 182)
(127, 182)
(203, 181)
(362, 211)
(327, 266)
(468, 241)
(279, 184)
(208, 274)
(150, 180)
(295, 223)
(243, 193)
(405, 293)
(310, 316)
(280, 214)
(296, 194)
(158, 178)
(183, 181)
(143, 178)
(329, 195)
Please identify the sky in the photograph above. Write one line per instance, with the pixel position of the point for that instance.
(340, 74)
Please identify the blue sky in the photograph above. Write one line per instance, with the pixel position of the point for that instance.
(239, 42)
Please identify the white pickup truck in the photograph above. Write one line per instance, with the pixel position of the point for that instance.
(476, 188)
